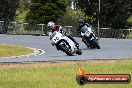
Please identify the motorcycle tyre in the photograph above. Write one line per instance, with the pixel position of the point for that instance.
(96, 44)
(64, 50)
(79, 52)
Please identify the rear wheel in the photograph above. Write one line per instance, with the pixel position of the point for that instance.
(79, 52)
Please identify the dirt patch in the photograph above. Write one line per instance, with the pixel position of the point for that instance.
(52, 63)
(36, 64)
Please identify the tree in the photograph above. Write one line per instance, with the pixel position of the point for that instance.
(43, 11)
(23, 5)
(90, 8)
(71, 17)
(114, 13)
(8, 11)
(22, 9)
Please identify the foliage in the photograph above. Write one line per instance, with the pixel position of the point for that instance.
(129, 19)
(114, 13)
(23, 5)
(8, 9)
(7, 12)
(71, 17)
(21, 16)
(43, 11)
(22, 9)
(90, 8)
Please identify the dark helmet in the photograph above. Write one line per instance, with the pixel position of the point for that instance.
(80, 21)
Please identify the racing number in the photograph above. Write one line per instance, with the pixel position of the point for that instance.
(56, 39)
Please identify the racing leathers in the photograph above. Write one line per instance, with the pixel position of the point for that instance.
(84, 27)
(58, 28)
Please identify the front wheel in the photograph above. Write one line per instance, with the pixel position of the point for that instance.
(79, 52)
(65, 49)
(95, 44)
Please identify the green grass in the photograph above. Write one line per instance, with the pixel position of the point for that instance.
(63, 75)
(11, 50)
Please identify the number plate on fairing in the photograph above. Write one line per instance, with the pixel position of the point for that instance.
(56, 38)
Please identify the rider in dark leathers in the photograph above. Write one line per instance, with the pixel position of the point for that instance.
(85, 27)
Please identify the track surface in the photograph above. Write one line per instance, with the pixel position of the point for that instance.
(110, 49)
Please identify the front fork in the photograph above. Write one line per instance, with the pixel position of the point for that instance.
(85, 40)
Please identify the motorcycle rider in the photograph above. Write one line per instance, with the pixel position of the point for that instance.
(85, 27)
(56, 27)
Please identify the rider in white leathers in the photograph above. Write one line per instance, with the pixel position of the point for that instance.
(56, 27)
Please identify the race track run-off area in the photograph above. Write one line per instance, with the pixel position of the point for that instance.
(110, 49)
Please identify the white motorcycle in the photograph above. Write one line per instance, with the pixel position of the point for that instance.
(64, 43)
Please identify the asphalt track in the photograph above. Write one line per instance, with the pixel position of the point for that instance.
(110, 49)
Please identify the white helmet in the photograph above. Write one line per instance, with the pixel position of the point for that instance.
(51, 25)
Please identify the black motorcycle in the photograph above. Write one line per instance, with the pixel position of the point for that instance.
(90, 40)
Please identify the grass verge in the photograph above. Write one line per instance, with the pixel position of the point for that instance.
(11, 50)
(61, 74)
